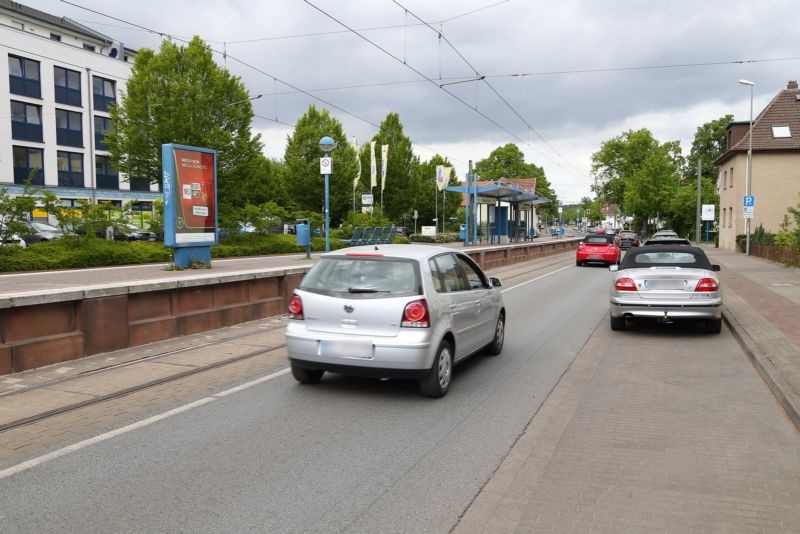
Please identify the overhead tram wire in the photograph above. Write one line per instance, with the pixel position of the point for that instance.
(480, 77)
(433, 82)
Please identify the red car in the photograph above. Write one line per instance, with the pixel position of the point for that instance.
(598, 248)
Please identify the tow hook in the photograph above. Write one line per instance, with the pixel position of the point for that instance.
(666, 319)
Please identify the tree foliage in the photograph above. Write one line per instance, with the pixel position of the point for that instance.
(300, 174)
(180, 95)
(637, 173)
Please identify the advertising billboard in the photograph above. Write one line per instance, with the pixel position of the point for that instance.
(190, 195)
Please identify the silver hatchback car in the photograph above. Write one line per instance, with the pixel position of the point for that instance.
(393, 311)
(666, 282)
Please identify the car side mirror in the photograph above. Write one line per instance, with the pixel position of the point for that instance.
(715, 267)
(613, 268)
(495, 282)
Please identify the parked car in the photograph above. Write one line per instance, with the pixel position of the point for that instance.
(393, 311)
(38, 232)
(666, 282)
(13, 240)
(597, 248)
(131, 232)
(626, 240)
(661, 240)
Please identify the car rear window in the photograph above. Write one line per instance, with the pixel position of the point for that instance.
(665, 258)
(363, 276)
(598, 240)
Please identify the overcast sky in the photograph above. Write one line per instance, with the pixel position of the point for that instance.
(556, 115)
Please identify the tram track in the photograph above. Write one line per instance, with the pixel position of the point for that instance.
(512, 272)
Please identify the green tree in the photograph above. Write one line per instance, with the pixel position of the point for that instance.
(179, 95)
(403, 182)
(508, 161)
(300, 174)
(14, 212)
(637, 173)
(431, 202)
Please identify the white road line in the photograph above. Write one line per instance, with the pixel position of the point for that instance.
(24, 466)
(535, 279)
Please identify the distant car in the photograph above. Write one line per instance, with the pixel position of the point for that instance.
(402, 231)
(38, 232)
(599, 231)
(665, 233)
(661, 240)
(131, 232)
(597, 248)
(393, 311)
(13, 240)
(666, 282)
(627, 240)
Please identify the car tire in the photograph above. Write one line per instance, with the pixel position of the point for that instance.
(496, 346)
(714, 326)
(306, 376)
(617, 323)
(578, 264)
(437, 383)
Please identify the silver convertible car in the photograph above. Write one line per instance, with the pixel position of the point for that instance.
(666, 282)
(393, 311)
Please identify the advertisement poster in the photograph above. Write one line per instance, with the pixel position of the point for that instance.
(190, 196)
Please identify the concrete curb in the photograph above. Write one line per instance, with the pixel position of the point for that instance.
(786, 397)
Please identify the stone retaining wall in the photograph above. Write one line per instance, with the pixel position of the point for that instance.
(57, 326)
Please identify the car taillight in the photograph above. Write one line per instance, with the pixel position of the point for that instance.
(625, 284)
(415, 315)
(707, 284)
(295, 307)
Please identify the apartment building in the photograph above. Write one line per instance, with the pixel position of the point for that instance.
(57, 80)
(775, 181)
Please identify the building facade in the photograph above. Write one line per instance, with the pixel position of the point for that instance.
(57, 80)
(775, 181)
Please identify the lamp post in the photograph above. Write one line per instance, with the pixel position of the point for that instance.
(326, 144)
(748, 184)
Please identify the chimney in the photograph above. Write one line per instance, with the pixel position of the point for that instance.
(792, 85)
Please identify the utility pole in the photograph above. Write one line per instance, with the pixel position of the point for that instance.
(699, 188)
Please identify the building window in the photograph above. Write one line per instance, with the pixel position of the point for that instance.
(88, 47)
(23, 77)
(783, 131)
(55, 37)
(137, 184)
(67, 86)
(107, 175)
(104, 93)
(28, 164)
(26, 121)
(101, 126)
(730, 217)
(70, 169)
(724, 179)
(731, 176)
(69, 128)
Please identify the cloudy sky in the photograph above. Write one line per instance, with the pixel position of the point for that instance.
(560, 77)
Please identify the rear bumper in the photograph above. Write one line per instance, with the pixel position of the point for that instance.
(359, 370)
(705, 310)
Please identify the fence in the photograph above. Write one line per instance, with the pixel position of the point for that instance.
(786, 256)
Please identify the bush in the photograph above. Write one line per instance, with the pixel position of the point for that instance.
(444, 237)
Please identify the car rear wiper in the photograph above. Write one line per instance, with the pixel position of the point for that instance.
(366, 290)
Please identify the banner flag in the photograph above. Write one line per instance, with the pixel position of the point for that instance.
(358, 162)
(384, 162)
(373, 167)
(448, 172)
(439, 177)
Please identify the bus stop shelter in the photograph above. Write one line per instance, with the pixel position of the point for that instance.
(504, 202)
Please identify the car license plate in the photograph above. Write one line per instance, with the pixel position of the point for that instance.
(665, 284)
(345, 349)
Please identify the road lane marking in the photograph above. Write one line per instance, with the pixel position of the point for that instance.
(535, 279)
(34, 462)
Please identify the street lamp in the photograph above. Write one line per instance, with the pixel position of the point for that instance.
(326, 144)
(241, 101)
(749, 164)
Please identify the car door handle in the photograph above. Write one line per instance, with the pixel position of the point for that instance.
(452, 306)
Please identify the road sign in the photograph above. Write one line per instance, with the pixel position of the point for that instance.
(749, 200)
(748, 212)
(326, 165)
(707, 212)
(366, 199)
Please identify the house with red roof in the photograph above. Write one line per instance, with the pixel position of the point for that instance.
(775, 180)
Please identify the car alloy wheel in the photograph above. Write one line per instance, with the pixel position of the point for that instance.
(496, 346)
(437, 382)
